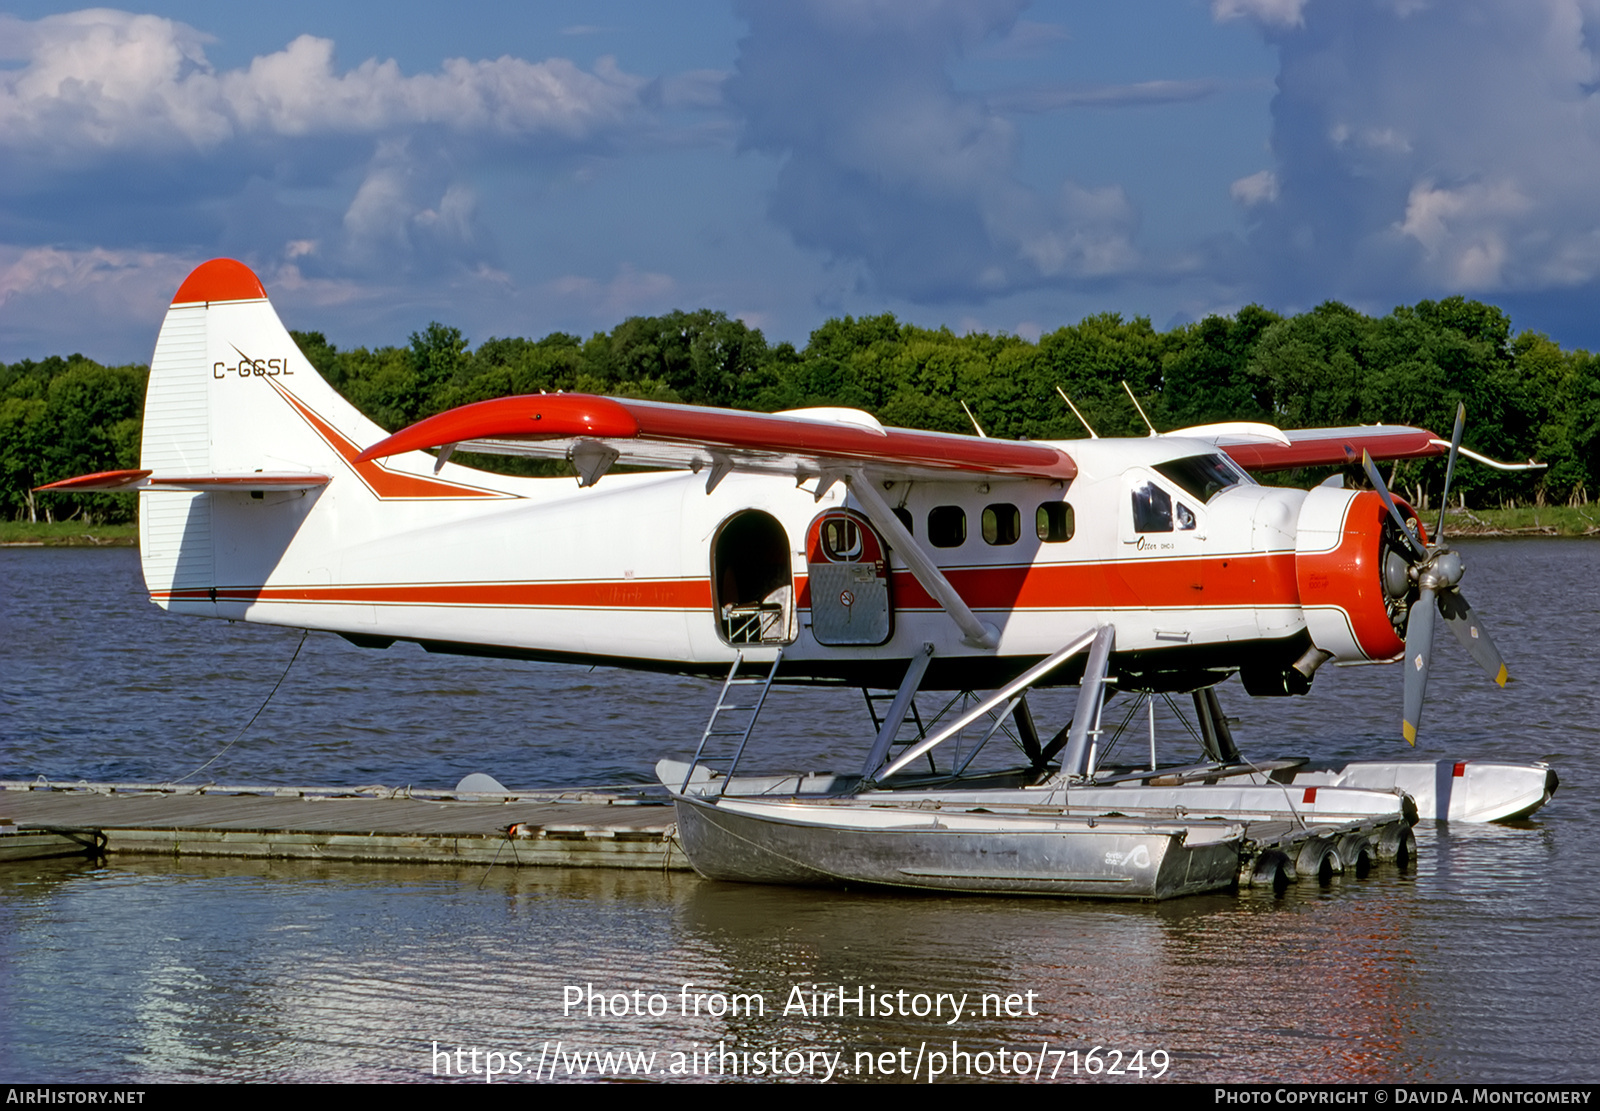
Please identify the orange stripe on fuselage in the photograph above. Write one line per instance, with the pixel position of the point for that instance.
(379, 479)
(1199, 583)
(1213, 582)
(685, 594)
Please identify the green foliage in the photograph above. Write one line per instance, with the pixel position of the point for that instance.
(1205, 371)
(1331, 366)
(62, 417)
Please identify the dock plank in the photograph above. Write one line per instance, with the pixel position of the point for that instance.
(589, 831)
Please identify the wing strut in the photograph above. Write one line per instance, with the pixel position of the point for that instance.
(975, 633)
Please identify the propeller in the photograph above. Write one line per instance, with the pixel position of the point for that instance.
(1435, 572)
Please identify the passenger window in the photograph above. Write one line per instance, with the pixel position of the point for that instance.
(1152, 509)
(947, 526)
(1185, 516)
(1002, 524)
(905, 519)
(1054, 522)
(841, 539)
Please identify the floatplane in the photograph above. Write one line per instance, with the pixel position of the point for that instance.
(816, 546)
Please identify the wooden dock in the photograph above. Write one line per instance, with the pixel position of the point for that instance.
(571, 829)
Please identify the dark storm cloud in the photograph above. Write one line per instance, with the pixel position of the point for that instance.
(1425, 148)
(886, 166)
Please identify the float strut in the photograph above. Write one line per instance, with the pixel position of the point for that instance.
(897, 711)
(1091, 698)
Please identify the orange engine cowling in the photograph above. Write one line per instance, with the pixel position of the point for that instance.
(1353, 574)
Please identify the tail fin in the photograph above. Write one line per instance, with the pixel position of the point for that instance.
(233, 408)
(211, 410)
(223, 383)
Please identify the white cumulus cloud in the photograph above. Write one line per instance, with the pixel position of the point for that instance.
(1272, 13)
(104, 80)
(1257, 188)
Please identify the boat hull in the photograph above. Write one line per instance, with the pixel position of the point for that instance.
(1237, 798)
(964, 850)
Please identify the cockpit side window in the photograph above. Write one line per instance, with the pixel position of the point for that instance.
(1152, 509)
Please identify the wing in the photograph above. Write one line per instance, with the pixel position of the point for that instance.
(1261, 447)
(598, 432)
(1328, 447)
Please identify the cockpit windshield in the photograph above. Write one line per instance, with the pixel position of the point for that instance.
(1203, 476)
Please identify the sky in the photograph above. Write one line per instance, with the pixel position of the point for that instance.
(988, 165)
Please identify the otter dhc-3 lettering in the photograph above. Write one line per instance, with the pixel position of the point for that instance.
(880, 557)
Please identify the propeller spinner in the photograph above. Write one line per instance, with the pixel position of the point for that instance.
(1434, 574)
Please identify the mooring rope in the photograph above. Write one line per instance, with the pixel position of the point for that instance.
(303, 634)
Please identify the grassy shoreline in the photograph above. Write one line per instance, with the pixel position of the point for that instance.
(67, 534)
(1549, 520)
(1544, 520)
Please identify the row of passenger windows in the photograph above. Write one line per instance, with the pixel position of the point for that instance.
(1000, 524)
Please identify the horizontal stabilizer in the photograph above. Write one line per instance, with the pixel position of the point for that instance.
(191, 483)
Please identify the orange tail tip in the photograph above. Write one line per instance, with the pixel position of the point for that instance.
(221, 279)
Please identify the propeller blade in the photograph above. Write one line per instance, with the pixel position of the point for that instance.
(1394, 510)
(1450, 468)
(1419, 646)
(1471, 633)
(1418, 649)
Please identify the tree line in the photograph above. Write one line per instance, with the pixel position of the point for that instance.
(1525, 396)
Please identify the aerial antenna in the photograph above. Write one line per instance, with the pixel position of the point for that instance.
(974, 421)
(1139, 407)
(1093, 435)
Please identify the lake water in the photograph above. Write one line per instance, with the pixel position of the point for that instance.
(1480, 964)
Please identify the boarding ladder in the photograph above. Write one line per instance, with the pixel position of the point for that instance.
(912, 716)
(726, 724)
